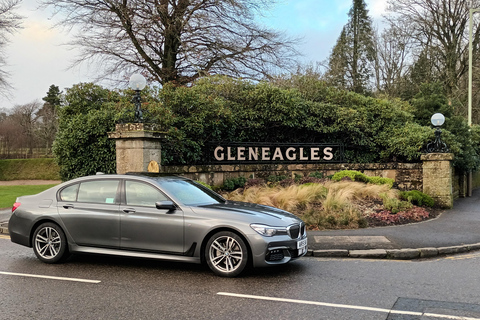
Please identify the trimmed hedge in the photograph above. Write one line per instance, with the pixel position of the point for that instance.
(29, 169)
(361, 177)
(418, 198)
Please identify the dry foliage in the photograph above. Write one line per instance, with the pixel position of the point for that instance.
(332, 205)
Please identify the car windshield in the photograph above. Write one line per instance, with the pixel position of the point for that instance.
(190, 193)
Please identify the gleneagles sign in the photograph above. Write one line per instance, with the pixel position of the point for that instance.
(275, 153)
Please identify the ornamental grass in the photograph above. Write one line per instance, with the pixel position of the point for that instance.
(333, 205)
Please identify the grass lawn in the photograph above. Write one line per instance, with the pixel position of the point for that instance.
(8, 194)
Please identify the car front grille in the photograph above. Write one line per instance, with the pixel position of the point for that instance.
(296, 231)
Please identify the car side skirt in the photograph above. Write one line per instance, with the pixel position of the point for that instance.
(133, 254)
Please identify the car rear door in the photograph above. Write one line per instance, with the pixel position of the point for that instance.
(90, 212)
(146, 228)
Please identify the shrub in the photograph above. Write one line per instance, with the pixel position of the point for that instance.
(297, 177)
(286, 182)
(309, 180)
(273, 178)
(316, 174)
(361, 177)
(393, 204)
(254, 182)
(381, 180)
(418, 198)
(82, 146)
(234, 183)
(352, 174)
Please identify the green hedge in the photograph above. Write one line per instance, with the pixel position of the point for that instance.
(373, 130)
(361, 177)
(418, 198)
(29, 169)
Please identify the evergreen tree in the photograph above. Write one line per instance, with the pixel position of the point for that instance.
(351, 62)
(53, 97)
(48, 117)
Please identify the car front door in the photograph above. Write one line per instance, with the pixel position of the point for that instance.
(143, 227)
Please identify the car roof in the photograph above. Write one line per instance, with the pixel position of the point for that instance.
(125, 176)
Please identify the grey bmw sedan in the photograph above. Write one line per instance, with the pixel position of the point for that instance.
(169, 218)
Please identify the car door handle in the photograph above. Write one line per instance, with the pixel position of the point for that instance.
(68, 206)
(129, 210)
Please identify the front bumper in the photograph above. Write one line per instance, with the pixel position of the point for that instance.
(275, 251)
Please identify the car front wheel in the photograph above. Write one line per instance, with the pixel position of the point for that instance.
(226, 254)
(49, 243)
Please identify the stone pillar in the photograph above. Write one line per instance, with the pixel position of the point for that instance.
(437, 178)
(138, 147)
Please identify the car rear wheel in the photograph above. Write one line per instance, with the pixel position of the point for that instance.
(226, 254)
(49, 243)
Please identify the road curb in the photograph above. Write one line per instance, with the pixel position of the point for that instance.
(394, 254)
(4, 228)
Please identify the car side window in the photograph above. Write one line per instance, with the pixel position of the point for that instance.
(98, 191)
(69, 193)
(142, 194)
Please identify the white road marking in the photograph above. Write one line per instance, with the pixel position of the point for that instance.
(4, 236)
(49, 277)
(346, 306)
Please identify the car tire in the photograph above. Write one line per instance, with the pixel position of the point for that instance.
(226, 254)
(49, 243)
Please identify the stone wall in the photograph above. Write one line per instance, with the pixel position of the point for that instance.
(408, 176)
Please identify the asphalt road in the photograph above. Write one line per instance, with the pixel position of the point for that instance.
(92, 287)
(5, 214)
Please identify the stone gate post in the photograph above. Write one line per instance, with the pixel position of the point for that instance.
(437, 178)
(138, 147)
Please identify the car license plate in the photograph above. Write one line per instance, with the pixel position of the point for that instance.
(302, 246)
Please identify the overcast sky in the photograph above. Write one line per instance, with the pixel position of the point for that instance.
(37, 57)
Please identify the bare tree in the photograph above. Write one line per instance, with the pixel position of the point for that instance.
(25, 117)
(175, 40)
(9, 23)
(394, 56)
(440, 27)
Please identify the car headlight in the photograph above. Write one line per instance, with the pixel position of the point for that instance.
(266, 231)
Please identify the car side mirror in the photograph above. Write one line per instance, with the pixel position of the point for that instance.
(165, 205)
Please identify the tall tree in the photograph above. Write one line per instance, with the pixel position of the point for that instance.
(351, 63)
(25, 117)
(439, 29)
(47, 122)
(53, 97)
(394, 51)
(9, 23)
(175, 40)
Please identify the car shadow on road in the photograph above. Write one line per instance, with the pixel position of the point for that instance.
(114, 264)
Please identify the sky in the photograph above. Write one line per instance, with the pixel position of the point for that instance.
(37, 56)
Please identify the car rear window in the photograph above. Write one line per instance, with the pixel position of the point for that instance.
(69, 193)
(98, 191)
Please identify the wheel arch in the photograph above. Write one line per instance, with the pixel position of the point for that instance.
(220, 229)
(38, 223)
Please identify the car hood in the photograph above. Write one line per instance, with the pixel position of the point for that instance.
(253, 210)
